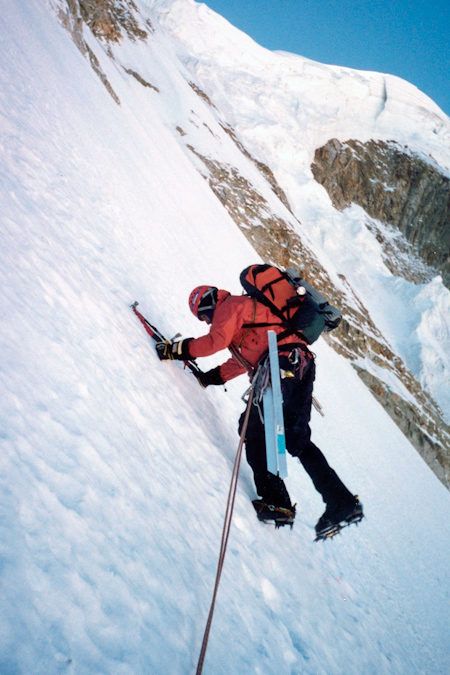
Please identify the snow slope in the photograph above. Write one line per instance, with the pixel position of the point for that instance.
(114, 467)
(284, 107)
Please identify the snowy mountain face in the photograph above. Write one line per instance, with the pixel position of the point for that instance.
(148, 147)
(273, 120)
(284, 109)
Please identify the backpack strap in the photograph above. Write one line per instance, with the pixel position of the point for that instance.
(284, 334)
(269, 284)
(261, 325)
(288, 332)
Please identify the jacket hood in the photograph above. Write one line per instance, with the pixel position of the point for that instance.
(221, 296)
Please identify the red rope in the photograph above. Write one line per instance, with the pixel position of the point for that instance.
(225, 533)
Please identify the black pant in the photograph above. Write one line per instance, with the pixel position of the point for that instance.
(297, 400)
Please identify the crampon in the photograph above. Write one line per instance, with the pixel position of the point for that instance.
(326, 528)
(268, 513)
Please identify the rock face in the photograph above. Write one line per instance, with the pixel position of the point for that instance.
(395, 186)
(108, 21)
(410, 196)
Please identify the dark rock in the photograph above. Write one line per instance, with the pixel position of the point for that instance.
(395, 186)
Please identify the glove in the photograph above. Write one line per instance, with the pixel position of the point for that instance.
(210, 377)
(169, 351)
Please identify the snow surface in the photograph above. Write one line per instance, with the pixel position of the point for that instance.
(114, 467)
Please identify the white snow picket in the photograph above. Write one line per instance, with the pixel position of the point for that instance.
(273, 414)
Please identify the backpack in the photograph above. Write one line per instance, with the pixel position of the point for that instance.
(300, 307)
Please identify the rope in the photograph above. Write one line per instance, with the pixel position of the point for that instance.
(225, 533)
(249, 326)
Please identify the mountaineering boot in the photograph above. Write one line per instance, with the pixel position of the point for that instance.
(272, 490)
(275, 504)
(279, 515)
(338, 515)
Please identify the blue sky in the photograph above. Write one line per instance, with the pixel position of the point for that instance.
(410, 39)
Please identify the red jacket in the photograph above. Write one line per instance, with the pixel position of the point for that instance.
(227, 331)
